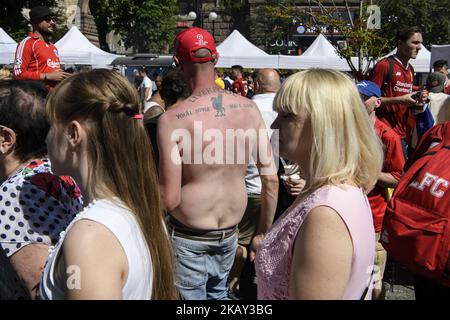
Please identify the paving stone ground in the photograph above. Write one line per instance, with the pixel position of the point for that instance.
(399, 282)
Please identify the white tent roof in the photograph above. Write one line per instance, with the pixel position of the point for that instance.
(321, 54)
(422, 62)
(7, 48)
(237, 50)
(320, 47)
(75, 48)
(439, 52)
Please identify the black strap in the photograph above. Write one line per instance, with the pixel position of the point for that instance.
(388, 78)
(434, 152)
(412, 70)
(363, 297)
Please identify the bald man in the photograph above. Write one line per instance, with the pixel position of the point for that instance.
(205, 143)
(267, 83)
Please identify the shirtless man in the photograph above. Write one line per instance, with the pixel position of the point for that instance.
(205, 144)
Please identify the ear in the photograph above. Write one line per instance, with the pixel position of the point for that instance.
(7, 140)
(76, 135)
(177, 62)
(377, 103)
(216, 57)
(256, 85)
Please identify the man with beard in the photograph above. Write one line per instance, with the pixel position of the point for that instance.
(36, 57)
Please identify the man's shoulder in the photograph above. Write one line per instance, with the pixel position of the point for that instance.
(382, 64)
(264, 101)
(147, 81)
(214, 102)
(238, 82)
(28, 41)
(385, 132)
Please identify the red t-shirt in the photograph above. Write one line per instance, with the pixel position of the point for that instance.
(393, 164)
(397, 116)
(239, 87)
(33, 57)
(447, 88)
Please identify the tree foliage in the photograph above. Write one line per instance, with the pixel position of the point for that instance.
(13, 22)
(281, 16)
(433, 16)
(144, 25)
(369, 44)
(273, 20)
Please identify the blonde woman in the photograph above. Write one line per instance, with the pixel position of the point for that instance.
(117, 248)
(323, 246)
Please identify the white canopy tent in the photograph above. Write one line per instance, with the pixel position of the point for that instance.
(7, 48)
(320, 54)
(75, 48)
(439, 52)
(421, 63)
(237, 50)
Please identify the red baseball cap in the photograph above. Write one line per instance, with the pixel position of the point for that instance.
(191, 40)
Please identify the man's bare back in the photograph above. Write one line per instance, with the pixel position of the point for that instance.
(211, 135)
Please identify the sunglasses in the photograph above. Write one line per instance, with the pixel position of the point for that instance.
(47, 19)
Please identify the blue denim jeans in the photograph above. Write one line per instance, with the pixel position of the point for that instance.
(202, 267)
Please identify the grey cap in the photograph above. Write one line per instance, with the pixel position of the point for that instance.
(435, 82)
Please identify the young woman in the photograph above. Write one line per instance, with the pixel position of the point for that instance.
(117, 248)
(323, 246)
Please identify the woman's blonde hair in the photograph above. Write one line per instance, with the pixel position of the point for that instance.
(120, 156)
(344, 144)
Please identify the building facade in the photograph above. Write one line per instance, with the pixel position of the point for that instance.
(78, 13)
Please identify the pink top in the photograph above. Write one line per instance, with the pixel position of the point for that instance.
(274, 258)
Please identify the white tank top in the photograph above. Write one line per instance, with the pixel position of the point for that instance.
(120, 221)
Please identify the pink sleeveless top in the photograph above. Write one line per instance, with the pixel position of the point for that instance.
(274, 258)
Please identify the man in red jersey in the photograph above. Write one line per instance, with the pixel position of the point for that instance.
(238, 84)
(388, 178)
(395, 76)
(36, 57)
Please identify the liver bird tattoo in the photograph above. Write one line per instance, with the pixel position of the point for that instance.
(217, 104)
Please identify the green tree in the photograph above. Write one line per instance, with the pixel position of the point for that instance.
(281, 16)
(12, 21)
(272, 21)
(433, 16)
(362, 42)
(145, 26)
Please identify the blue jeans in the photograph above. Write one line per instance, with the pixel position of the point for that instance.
(202, 267)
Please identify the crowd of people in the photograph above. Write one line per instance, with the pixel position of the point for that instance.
(167, 188)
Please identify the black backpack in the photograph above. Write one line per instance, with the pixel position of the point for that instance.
(388, 77)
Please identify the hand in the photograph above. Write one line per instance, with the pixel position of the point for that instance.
(58, 75)
(408, 99)
(254, 246)
(294, 186)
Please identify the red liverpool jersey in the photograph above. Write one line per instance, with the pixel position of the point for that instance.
(33, 57)
(238, 87)
(393, 164)
(397, 116)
